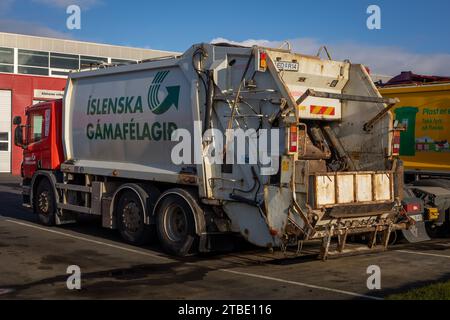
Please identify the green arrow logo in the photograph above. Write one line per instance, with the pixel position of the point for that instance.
(171, 99)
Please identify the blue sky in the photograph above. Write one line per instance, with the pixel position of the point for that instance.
(414, 34)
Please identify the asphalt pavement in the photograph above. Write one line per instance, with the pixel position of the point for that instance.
(34, 262)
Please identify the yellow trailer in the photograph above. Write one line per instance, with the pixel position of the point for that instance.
(424, 112)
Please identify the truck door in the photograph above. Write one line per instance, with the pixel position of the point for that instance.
(37, 151)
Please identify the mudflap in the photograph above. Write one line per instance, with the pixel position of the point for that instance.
(251, 223)
(416, 233)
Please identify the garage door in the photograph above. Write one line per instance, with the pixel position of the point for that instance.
(5, 131)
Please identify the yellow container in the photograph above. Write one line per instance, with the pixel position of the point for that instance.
(425, 110)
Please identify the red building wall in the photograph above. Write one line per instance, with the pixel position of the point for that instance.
(22, 87)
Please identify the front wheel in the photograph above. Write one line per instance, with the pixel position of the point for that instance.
(45, 203)
(176, 226)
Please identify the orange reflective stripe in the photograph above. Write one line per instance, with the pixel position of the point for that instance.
(315, 109)
(329, 111)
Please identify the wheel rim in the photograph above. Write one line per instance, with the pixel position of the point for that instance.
(175, 223)
(44, 203)
(131, 217)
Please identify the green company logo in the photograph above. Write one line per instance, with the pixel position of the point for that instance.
(173, 94)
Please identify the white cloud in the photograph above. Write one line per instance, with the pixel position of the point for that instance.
(389, 60)
(84, 4)
(30, 28)
(303, 45)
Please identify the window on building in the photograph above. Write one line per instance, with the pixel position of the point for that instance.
(64, 61)
(37, 121)
(60, 73)
(33, 58)
(90, 62)
(122, 61)
(4, 141)
(32, 70)
(6, 55)
(6, 68)
(6, 60)
(33, 62)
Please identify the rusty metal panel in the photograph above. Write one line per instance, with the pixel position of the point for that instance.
(351, 188)
(325, 190)
(345, 188)
(363, 187)
(382, 184)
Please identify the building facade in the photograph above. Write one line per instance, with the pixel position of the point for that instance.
(34, 69)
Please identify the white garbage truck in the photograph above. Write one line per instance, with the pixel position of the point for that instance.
(223, 140)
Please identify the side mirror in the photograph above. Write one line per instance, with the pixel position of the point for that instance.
(18, 136)
(17, 120)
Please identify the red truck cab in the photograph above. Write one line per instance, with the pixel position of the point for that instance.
(41, 138)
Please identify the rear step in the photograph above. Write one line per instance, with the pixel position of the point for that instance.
(341, 249)
(353, 250)
(67, 211)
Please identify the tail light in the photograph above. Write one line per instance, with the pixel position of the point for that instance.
(413, 208)
(293, 139)
(261, 61)
(396, 143)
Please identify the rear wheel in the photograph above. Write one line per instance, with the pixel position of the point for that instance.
(176, 226)
(437, 231)
(131, 219)
(45, 203)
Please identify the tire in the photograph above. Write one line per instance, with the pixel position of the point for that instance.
(175, 226)
(45, 203)
(434, 231)
(131, 219)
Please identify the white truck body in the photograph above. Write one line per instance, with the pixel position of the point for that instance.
(118, 123)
